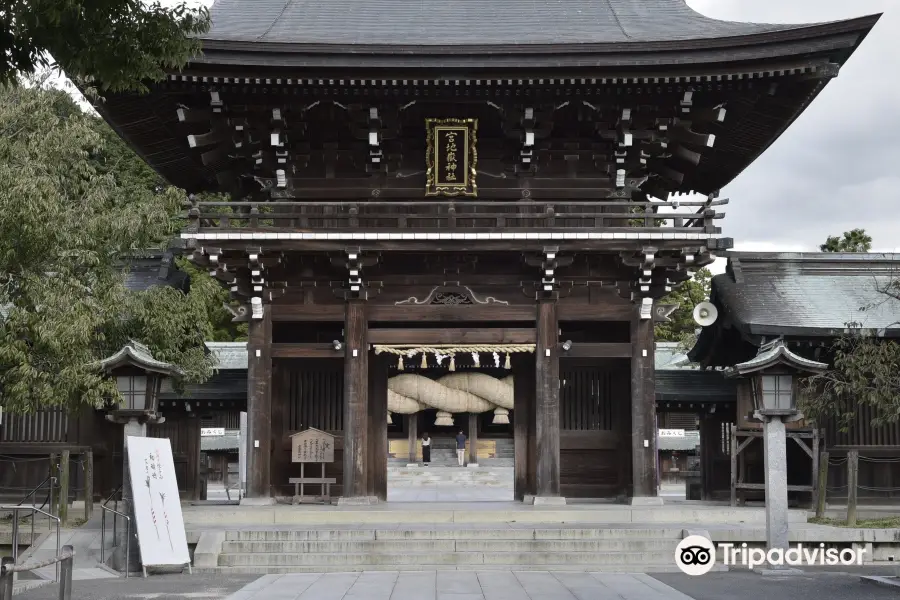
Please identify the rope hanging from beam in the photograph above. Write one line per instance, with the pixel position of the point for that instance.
(443, 350)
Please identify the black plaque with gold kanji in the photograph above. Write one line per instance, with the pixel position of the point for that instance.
(451, 157)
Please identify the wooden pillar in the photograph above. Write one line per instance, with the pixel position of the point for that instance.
(643, 409)
(412, 428)
(473, 438)
(547, 401)
(356, 401)
(523, 424)
(259, 406)
(709, 437)
(88, 485)
(378, 442)
(64, 463)
(280, 467)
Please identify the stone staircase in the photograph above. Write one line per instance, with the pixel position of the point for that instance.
(469, 548)
(456, 477)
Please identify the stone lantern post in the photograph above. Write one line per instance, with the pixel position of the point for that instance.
(773, 376)
(138, 378)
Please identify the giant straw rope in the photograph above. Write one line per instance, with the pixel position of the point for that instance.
(454, 393)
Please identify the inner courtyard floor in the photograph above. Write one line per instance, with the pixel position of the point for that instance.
(450, 484)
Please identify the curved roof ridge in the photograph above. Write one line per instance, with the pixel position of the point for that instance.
(403, 23)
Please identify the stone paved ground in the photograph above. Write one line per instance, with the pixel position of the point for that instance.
(458, 585)
(815, 584)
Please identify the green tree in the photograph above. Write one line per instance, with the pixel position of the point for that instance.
(118, 44)
(864, 369)
(853, 241)
(71, 205)
(681, 325)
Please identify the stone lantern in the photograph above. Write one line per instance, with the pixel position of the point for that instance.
(773, 376)
(138, 378)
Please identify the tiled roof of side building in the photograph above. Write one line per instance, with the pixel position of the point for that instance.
(812, 294)
(447, 23)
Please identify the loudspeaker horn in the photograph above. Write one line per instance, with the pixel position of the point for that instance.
(705, 314)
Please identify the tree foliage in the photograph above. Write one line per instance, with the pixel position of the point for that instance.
(118, 44)
(864, 370)
(73, 201)
(855, 240)
(681, 325)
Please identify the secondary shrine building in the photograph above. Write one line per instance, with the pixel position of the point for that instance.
(458, 215)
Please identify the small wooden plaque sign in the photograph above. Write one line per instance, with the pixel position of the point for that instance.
(451, 157)
(312, 446)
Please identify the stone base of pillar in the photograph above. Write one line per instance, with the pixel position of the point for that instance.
(412, 465)
(549, 501)
(257, 501)
(472, 465)
(358, 501)
(646, 501)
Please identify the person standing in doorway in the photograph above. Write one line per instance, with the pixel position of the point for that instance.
(426, 448)
(461, 448)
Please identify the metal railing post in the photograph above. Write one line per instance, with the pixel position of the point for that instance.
(65, 578)
(127, 546)
(6, 578)
(15, 536)
(102, 536)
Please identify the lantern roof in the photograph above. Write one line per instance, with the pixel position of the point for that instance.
(776, 353)
(135, 354)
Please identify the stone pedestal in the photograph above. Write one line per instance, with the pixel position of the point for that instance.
(774, 440)
(132, 428)
(646, 501)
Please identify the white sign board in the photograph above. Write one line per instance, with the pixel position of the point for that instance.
(211, 431)
(157, 505)
(671, 433)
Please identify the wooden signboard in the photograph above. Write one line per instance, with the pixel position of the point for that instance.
(312, 446)
(451, 157)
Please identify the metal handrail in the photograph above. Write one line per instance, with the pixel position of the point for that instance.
(117, 514)
(52, 481)
(8, 569)
(15, 531)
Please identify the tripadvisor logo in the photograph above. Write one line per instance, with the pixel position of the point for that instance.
(696, 555)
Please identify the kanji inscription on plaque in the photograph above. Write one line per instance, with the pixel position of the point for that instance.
(312, 446)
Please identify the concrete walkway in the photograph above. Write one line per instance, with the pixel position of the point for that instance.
(86, 544)
(458, 585)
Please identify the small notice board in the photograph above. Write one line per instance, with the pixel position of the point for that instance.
(157, 505)
(312, 446)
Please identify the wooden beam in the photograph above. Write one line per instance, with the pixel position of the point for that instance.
(454, 335)
(445, 314)
(318, 350)
(595, 312)
(643, 409)
(356, 402)
(308, 312)
(259, 406)
(547, 403)
(605, 350)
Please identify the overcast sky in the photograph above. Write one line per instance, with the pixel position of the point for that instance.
(838, 166)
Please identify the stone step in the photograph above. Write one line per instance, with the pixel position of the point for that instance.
(666, 536)
(450, 545)
(662, 567)
(474, 559)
